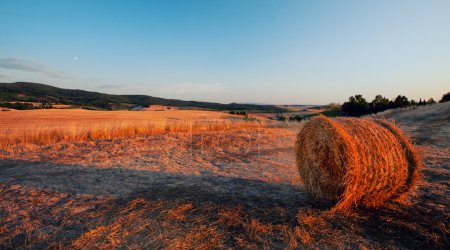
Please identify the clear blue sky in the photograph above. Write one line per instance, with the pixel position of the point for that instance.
(257, 51)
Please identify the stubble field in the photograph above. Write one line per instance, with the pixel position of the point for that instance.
(212, 187)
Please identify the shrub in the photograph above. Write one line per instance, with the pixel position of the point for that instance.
(431, 101)
(445, 97)
(295, 118)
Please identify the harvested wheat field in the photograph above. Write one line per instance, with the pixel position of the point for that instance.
(44, 127)
(233, 186)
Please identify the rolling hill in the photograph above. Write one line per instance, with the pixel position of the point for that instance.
(427, 125)
(36, 92)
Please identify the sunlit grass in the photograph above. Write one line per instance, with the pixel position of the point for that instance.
(118, 130)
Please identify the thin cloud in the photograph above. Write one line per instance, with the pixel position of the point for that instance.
(110, 86)
(189, 88)
(30, 66)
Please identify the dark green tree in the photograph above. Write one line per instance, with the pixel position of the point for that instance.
(401, 101)
(445, 97)
(379, 104)
(356, 106)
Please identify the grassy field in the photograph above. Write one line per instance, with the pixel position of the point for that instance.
(233, 187)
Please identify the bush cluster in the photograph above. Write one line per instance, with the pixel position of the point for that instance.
(24, 105)
(238, 113)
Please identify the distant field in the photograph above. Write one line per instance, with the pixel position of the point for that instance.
(31, 119)
(291, 112)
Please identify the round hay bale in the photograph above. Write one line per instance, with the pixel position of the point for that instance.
(355, 162)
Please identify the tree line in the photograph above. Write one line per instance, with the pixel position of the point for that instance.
(357, 105)
(25, 106)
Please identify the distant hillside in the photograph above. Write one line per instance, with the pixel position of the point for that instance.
(427, 125)
(35, 92)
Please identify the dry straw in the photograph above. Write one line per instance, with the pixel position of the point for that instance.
(116, 130)
(355, 162)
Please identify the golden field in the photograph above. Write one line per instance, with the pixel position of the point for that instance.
(234, 186)
(50, 126)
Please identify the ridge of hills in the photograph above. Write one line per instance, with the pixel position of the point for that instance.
(36, 92)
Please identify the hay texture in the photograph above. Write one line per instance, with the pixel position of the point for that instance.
(355, 162)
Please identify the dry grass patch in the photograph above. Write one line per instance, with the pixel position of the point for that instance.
(212, 211)
(45, 127)
(106, 131)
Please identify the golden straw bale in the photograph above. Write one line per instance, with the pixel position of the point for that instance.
(355, 162)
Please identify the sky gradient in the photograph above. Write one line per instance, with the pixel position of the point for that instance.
(277, 52)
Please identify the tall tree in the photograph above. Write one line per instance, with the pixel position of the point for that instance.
(379, 103)
(356, 106)
(401, 101)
